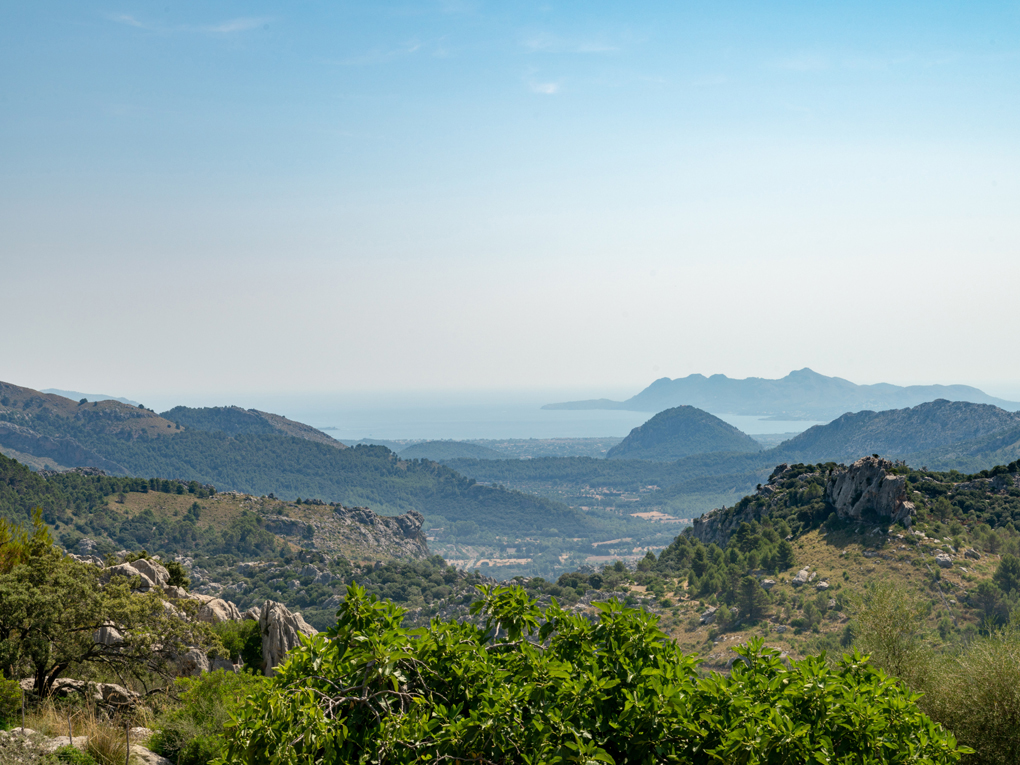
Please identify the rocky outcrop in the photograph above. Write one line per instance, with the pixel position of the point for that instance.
(152, 574)
(868, 491)
(357, 532)
(280, 629)
(193, 663)
(717, 526)
(218, 610)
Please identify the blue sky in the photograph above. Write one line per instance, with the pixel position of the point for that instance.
(496, 195)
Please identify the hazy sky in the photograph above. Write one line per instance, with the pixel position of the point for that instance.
(221, 197)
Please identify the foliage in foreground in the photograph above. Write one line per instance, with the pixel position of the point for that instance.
(552, 686)
(191, 733)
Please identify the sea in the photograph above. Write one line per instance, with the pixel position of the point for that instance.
(467, 415)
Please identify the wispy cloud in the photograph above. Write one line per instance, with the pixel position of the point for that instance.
(230, 26)
(235, 25)
(435, 48)
(545, 88)
(549, 43)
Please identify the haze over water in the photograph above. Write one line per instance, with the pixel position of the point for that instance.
(463, 416)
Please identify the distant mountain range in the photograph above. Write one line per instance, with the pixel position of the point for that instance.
(681, 432)
(78, 396)
(801, 395)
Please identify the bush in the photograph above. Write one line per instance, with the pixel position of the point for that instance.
(242, 641)
(106, 746)
(10, 702)
(555, 687)
(192, 732)
(74, 756)
(976, 694)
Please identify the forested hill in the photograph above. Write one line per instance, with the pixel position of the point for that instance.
(448, 450)
(681, 432)
(235, 421)
(803, 394)
(134, 441)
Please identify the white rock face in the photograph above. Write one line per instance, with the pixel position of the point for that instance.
(128, 570)
(280, 629)
(803, 577)
(153, 570)
(944, 560)
(142, 756)
(218, 610)
(194, 663)
(866, 490)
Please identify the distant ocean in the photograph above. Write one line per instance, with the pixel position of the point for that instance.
(464, 416)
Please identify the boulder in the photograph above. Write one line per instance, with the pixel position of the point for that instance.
(709, 615)
(225, 664)
(142, 756)
(280, 629)
(768, 584)
(107, 635)
(803, 577)
(822, 586)
(944, 560)
(155, 572)
(130, 571)
(252, 614)
(218, 610)
(193, 663)
(971, 553)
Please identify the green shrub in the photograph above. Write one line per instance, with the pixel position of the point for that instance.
(191, 732)
(10, 702)
(976, 694)
(74, 756)
(242, 641)
(551, 686)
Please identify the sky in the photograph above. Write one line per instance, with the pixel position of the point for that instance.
(214, 198)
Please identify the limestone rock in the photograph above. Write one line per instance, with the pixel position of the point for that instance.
(280, 629)
(822, 586)
(803, 576)
(867, 490)
(970, 552)
(140, 735)
(225, 664)
(142, 756)
(944, 560)
(218, 610)
(107, 635)
(130, 571)
(153, 570)
(768, 584)
(709, 615)
(252, 614)
(193, 663)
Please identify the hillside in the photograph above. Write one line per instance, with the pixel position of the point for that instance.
(803, 394)
(812, 536)
(897, 432)
(132, 441)
(448, 450)
(681, 432)
(235, 421)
